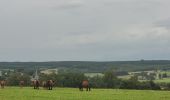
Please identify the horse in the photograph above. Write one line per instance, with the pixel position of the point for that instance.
(84, 84)
(48, 84)
(2, 83)
(36, 84)
(21, 84)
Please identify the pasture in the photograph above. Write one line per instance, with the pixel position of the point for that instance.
(27, 93)
(164, 80)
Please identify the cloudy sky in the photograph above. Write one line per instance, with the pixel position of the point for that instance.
(84, 30)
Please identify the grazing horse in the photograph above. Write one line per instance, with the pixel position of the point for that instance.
(49, 84)
(2, 83)
(36, 84)
(84, 84)
(21, 84)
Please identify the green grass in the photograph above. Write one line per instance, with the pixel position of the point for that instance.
(94, 74)
(167, 72)
(125, 77)
(15, 93)
(164, 80)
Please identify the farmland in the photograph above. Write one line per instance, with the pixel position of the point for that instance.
(15, 93)
(165, 80)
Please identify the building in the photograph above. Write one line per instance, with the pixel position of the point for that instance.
(35, 76)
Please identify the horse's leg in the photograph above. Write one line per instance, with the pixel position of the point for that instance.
(80, 88)
(35, 86)
(88, 87)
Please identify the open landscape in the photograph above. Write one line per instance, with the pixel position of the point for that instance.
(84, 50)
(120, 80)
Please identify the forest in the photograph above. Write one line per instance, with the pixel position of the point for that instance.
(91, 66)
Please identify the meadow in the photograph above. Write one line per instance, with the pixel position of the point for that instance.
(164, 80)
(27, 93)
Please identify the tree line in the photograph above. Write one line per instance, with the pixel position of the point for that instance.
(91, 66)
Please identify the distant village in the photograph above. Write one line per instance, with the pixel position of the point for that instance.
(140, 75)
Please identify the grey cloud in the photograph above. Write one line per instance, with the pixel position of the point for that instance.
(164, 23)
(60, 4)
(84, 30)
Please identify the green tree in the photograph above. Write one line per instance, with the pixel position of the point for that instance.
(15, 78)
(110, 79)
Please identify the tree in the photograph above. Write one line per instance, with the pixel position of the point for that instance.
(110, 79)
(15, 78)
(64, 79)
(70, 79)
(154, 86)
(164, 75)
(97, 82)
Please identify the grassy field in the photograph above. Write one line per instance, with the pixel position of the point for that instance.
(165, 80)
(15, 93)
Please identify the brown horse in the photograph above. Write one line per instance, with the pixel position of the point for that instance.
(21, 84)
(36, 84)
(48, 84)
(84, 84)
(2, 83)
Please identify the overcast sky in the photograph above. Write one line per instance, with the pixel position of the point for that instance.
(84, 30)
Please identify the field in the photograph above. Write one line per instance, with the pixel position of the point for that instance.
(164, 80)
(15, 93)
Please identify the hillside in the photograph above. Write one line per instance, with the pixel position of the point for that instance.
(91, 66)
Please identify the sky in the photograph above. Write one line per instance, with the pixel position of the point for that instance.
(84, 30)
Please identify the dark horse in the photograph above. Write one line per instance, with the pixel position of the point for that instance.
(36, 84)
(21, 84)
(2, 83)
(84, 84)
(48, 84)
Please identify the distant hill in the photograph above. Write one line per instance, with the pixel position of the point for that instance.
(91, 66)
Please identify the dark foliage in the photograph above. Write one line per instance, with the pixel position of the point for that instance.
(87, 66)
